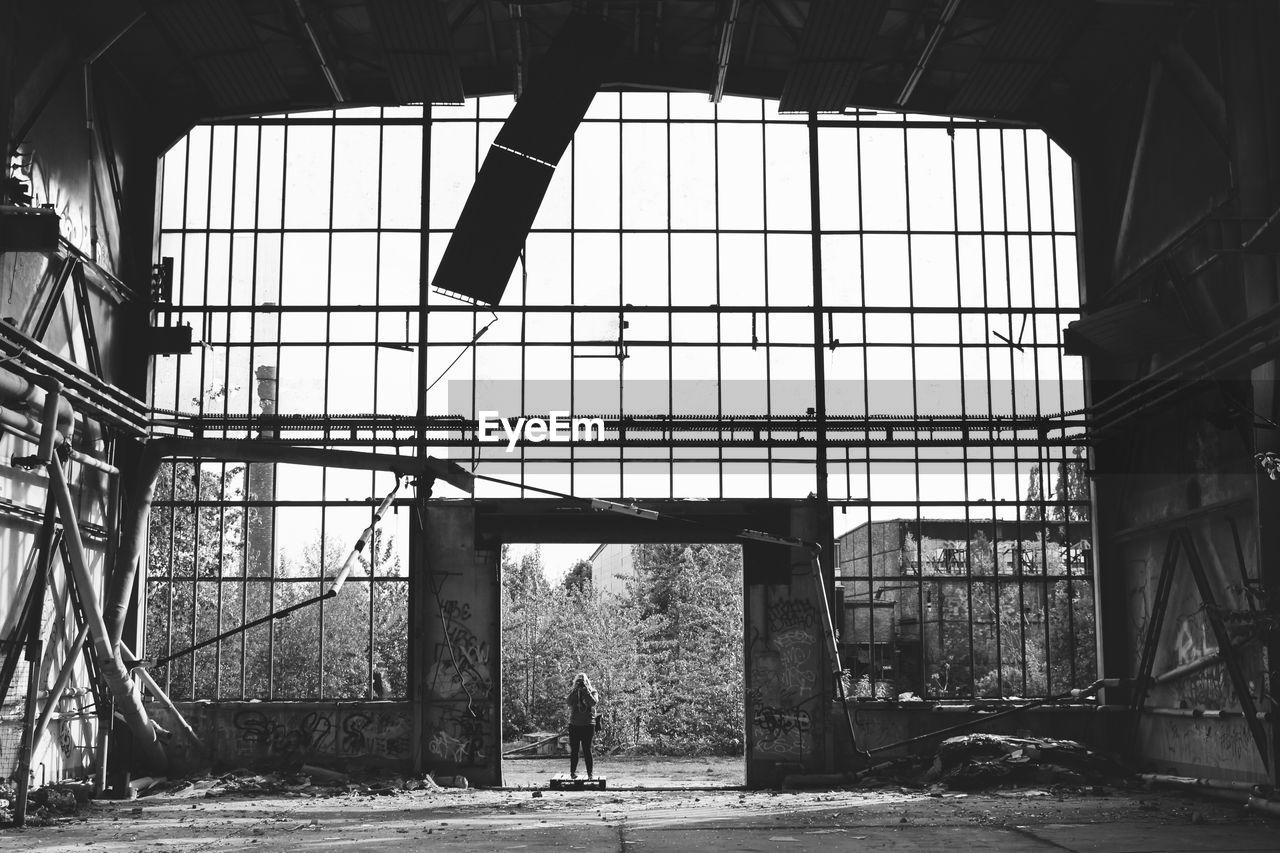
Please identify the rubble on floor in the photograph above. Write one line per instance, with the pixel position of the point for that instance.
(978, 761)
(46, 803)
(307, 780)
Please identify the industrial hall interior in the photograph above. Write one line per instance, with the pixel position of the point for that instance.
(740, 424)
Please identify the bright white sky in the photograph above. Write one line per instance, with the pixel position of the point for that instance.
(556, 559)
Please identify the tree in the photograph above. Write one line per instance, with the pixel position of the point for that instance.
(666, 655)
(198, 588)
(189, 546)
(578, 579)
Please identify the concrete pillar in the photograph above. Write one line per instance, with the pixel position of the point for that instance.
(790, 725)
(455, 678)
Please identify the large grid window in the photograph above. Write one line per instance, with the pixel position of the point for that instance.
(866, 308)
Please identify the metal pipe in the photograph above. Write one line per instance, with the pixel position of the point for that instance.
(133, 538)
(1205, 713)
(926, 55)
(364, 540)
(102, 740)
(1191, 782)
(1191, 667)
(19, 389)
(26, 428)
(128, 700)
(141, 671)
(52, 399)
(95, 396)
(240, 629)
(55, 693)
(829, 629)
(728, 22)
(314, 40)
(35, 650)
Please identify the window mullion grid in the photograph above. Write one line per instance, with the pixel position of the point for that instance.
(377, 368)
(1018, 573)
(1041, 452)
(866, 405)
(1070, 510)
(964, 451)
(622, 363)
(226, 402)
(671, 363)
(915, 411)
(324, 471)
(994, 605)
(275, 469)
(248, 470)
(198, 463)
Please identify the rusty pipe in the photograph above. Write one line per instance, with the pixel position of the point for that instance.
(128, 699)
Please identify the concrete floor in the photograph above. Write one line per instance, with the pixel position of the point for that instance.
(647, 821)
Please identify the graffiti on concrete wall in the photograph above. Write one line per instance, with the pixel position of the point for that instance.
(459, 736)
(461, 682)
(337, 732)
(784, 678)
(461, 661)
(787, 613)
(281, 733)
(382, 735)
(796, 670)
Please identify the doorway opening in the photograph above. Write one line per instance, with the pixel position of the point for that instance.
(659, 631)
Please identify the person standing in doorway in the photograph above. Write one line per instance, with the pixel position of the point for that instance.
(583, 699)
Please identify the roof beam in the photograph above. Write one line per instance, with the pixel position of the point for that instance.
(926, 55)
(314, 41)
(833, 46)
(417, 41)
(728, 15)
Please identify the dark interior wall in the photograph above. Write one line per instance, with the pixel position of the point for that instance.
(1175, 173)
(88, 150)
(44, 118)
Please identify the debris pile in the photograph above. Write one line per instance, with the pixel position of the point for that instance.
(976, 761)
(47, 803)
(306, 781)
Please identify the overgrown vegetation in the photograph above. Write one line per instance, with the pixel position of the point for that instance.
(666, 655)
(205, 577)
